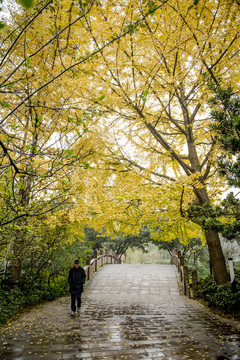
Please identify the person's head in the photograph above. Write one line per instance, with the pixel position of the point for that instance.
(76, 264)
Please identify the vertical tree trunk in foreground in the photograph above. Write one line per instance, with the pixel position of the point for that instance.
(217, 259)
(216, 256)
(17, 256)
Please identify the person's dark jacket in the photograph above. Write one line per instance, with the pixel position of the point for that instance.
(76, 279)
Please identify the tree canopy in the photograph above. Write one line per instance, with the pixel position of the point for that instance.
(105, 118)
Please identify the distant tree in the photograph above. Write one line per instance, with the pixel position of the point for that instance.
(95, 238)
(192, 250)
(120, 243)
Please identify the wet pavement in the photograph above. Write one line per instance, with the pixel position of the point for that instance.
(129, 312)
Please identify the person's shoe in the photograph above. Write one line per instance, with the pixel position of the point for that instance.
(72, 313)
(78, 310)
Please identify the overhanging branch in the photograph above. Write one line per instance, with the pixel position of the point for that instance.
(31, 215)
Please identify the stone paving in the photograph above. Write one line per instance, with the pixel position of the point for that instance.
(129, 312)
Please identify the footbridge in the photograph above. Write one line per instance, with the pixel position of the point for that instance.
(129, 312)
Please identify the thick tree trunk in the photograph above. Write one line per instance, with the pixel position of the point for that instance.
(214, 245)
(216, 256)
(217, 259)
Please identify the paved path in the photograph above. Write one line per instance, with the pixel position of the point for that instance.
(129, 312)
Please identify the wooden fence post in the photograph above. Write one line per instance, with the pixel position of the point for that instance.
(195, 283)
(186, 288)
(178, 260)
(184, 274)
(88, 261)
(180, 266)
(174, 259)
(101, 259)
(104, 257)
(95, 256)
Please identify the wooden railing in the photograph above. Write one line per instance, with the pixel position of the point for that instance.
(183, 271)
(99, 259)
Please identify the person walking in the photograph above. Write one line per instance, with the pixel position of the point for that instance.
(76, 280)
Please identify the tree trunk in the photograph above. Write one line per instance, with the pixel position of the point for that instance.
(216, 256)
(19, 239)
(217, 259)
(17, 257)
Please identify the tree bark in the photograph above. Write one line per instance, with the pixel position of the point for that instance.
(19, 240)
(216, 256)
(217, 259)
(17, 257)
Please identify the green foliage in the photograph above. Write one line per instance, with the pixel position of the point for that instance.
(86, 165)
(27, 3)
(210, 217)
(96, 240)
(203, 269)
(152, 7)
(225, 114)
(49, 254)
(120, 243)
(143, 96)
(194, 251)
(220, 297)
(123, 242)
(13, 300)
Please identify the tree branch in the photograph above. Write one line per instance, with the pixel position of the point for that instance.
(131, 162)
(166, 146)
(21, 32)
(32, 215)
(81, 61)
(48, 42)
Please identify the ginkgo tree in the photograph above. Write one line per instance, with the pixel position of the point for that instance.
(44, 53)
(42, 64)
(224, 217)
(153, 95)
(122, 201)
(135, 80)
(40, 125)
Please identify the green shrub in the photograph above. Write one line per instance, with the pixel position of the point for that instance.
(10, 303)
(220, 296)
(13, 300)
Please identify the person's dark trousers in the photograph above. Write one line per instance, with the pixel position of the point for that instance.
(74, 296)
